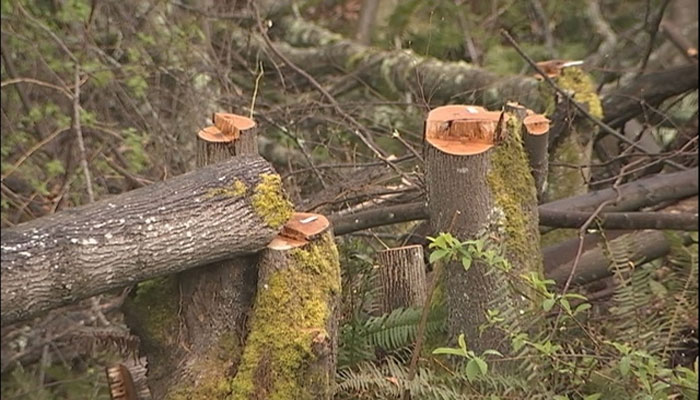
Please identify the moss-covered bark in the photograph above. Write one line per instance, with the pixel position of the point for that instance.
(513, 189)
(183, 366)
(574, 145)
(488, 196)
(290, 351)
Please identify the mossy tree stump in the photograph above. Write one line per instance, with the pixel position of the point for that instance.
(570, 140)
(214, 300)
(402, 277)
(480, 187)
(291, 350)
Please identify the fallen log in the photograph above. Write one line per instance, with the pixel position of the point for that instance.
(216, 212)
(634, 195)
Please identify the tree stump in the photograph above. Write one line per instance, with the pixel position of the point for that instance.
(291, 350)
(402, 277)
(214, 300)
(231, 135)
(535, 128)
(479, 186)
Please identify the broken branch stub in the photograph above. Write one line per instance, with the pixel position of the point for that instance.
(463, 129)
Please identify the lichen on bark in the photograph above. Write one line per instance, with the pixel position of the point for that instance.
(236, 189)
(294, 307)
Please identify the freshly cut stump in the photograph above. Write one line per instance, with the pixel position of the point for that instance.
(480, 187)
(291, 350)
(231, 135)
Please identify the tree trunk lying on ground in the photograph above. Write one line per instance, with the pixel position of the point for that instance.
(634, 195)
(216, 212)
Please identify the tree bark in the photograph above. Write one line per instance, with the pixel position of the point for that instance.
(402, 277)
(291, 350)
(214, 300)
(488, 194)
(210, 214)
(535, 135)
(647, 91)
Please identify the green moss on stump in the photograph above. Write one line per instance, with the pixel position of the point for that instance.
(154, 307)
(270, 202)
(581, 84)
(290, 311)
(513, 186)
(215, 367)
(236, 189)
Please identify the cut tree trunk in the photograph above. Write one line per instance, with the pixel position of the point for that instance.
(291, 350)
(213, 213)
(480, 188)
(214, 299)
(402, 277)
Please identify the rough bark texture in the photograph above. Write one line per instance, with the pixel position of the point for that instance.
(490, 194)
(571, 137)
(570, 141)
(201, 217)
(291, 349)
(214, 300)
(402, 277)
(536, 147)
(209, 152)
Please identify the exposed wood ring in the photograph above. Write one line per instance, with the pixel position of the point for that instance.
(232, 124)
(462, 129)
(299, 230)
(227, 128)
(212, 134)
(536, 124)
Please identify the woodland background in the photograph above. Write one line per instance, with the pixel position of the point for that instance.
(101, 97)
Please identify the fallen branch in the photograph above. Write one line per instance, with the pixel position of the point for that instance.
(634, 195)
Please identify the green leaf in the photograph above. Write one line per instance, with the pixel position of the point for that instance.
(450, 351)
(466, 263)
(581, 308)
(462, 343)
(483, 367)
(472, 370)
(494, 352)
(594, 396)
(565, 305)
(548, 304)
(438, 254)
(625, 365)
(575, 296)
